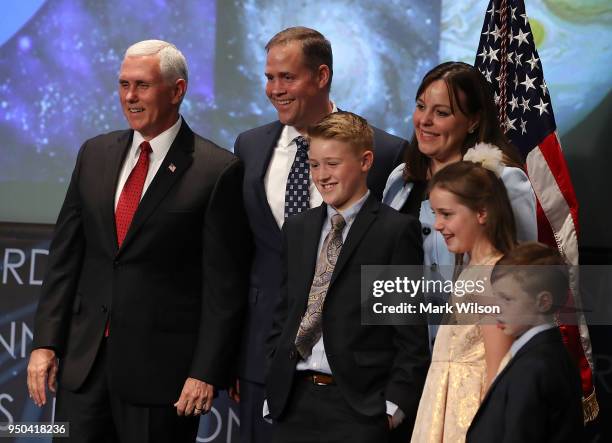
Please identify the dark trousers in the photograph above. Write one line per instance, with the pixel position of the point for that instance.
(320, 414)
(253, 428)
(97, 415)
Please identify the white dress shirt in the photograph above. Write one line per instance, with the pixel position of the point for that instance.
(275, 180)
(317, 361)
(160, 146)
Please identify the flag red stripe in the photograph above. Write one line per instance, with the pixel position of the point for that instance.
(551, 151)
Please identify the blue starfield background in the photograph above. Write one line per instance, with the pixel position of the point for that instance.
(59, 61)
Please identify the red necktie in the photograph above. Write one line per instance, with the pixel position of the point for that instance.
(131, 193)
(129, 199)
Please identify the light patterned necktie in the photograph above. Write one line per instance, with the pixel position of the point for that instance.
(297, 192)
(131, 193)
(310, 327)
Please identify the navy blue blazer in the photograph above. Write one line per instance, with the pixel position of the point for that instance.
(536, 398)
(370, 363)
(255, 147)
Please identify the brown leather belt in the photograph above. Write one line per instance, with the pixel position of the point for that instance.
(318, 379)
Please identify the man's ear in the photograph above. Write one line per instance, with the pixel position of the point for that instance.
(323, 76)
(544, 302)
(178, 91)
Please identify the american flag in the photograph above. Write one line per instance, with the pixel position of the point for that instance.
(508, 58)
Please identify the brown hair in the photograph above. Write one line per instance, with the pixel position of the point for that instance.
(538, 268)
(479, 188)
(316, 49)
(347, 127)
(478, 99)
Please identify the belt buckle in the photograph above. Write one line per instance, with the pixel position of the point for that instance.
(318, 379)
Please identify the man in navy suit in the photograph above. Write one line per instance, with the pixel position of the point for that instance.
(144, 293)
(299, 72)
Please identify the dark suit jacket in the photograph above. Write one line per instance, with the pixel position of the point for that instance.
(255, 148)
(370, 363)
(536, 398)
(176, 289)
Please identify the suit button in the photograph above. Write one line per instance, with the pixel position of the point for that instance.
(426, 231)
(291, 355)
(104, 309)
(115, 263)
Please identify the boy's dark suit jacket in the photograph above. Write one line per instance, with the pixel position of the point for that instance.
(255, 148)
(536, 398)
(370, 364)
(174, 291)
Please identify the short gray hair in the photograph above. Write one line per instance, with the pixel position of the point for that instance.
(172, 62)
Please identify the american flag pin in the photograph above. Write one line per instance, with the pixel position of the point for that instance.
(172, 167)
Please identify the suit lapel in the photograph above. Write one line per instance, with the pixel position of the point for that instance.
(180, 156)
(261, 164)
(360, 226)
(117, 153)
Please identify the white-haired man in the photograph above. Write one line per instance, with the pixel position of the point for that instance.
(145, 286)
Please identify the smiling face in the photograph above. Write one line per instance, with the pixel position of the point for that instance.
(339, 171)
(298, 93)
(439, 131)
(462, 228)
(149, 102)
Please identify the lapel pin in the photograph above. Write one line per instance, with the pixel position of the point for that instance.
(172, 167)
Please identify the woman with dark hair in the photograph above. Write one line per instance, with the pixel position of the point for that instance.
(454, 111)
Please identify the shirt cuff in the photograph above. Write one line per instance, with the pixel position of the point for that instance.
(266, 412)
(396, 414)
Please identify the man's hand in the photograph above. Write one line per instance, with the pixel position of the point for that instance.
(234, 391)
(42, 371)
(196, 398)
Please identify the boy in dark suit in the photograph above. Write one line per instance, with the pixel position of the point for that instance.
(328, 375)
(537, 396)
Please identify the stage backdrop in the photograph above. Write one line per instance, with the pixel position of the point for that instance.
(59, 61)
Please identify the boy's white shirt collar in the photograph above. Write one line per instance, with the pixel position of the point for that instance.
(528, 335)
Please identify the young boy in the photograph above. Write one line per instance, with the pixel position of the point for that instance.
(537, 396)
(328, 375)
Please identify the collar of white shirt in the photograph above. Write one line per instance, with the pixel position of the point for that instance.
(348, 214)
(289, 133)
(160, 145)
(528, 335)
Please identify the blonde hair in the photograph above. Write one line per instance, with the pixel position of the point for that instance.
(347, 127)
